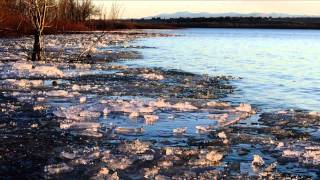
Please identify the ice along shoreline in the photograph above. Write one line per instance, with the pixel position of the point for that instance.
(82, 119)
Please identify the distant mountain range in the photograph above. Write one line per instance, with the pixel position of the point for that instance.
(231, 14)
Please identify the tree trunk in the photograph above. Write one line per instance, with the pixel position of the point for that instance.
(37, 47)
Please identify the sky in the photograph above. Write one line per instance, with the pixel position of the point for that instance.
(144, 8)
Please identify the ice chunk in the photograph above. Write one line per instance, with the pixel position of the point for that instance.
(106, 111)
(152, 76)
(219, 117)
(245, 108)
(82, 99)
(75, 87)
(80, 125)
(57, 168)
(165, 164)
(57, 93)
(146, 110)
(201, 129)
(21, 66)
(51, 71)
(67, 155)
(125, 130)
(88, 133)
(257, 160)
(214, 156)
(160, 103)
(187, 106)
(312, 156)
(291, 153)
(150, 119)
(90, 114)
(180, 130)
(133, 115)
(222, 135)
(218, 104)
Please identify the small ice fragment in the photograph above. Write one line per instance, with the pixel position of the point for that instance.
(67, 155)
(180, 130)
(245, 108)
(214, 156)
(218, 104)
(89, 114)
(57, 93)
(152, 76)
(57, 168)
(133, 115)
(124, 130)
(201, 129)
(106, 111)
(21, 66)
(257, 160)
(76, 87)
(149, 119)
(187, 106)
(291, 154)
(82, 99)
(222, 135)
(34, 125)
(146, 110)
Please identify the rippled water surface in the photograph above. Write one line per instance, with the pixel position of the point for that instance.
(280, 69)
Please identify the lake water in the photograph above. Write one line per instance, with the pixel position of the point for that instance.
(279, 69)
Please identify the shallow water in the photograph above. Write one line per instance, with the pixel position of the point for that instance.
(279, 68)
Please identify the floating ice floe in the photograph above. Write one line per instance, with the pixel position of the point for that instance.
(291, 154)
(80, 125)
(150, 119)
(202, 129)
(245, 108)
(160, 103)
(82, 99)
(126, 130)
(219, 117)
(257, 160)
(180, 130)
(218, 104)
(186, 106)
(89, 114)
(87, 133)
(134, 115)
(222, 135)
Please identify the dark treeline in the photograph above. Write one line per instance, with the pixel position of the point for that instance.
(214, 22)
(231, 22)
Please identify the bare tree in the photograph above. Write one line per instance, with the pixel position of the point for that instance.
(115, 11)
(37, 12)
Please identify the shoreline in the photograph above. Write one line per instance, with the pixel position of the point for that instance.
(82, 118)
